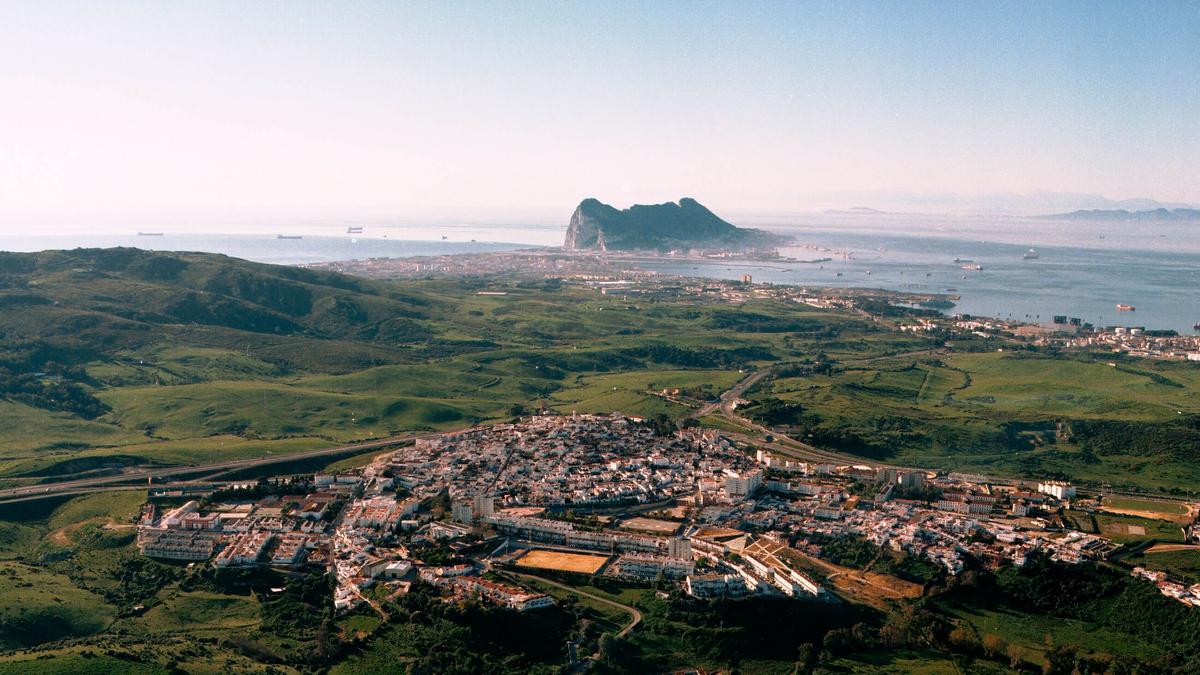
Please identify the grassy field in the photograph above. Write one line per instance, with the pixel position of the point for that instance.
(41, 606)
(1034, 633)
(199, 613)
(1169, 509)
(72, 571)
(1145, 508)
(71, 663)
(1002, 413)
(907, 663)
(226, 359)
(1182, 564)
(1131, 529)
(187, 358)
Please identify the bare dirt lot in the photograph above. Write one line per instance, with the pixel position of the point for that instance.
(651, 525)
(1168, 548)
(565, 562)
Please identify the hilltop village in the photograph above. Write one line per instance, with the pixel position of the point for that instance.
(612, 496)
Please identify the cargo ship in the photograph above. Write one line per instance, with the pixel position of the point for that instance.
(976, 268)
(150, 234)
(963, 260)
(354, 230)
(288, 236)
(1126, 308)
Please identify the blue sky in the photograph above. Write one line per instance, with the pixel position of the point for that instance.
(499, 110)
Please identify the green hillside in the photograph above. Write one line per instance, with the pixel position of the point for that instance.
(119, 356)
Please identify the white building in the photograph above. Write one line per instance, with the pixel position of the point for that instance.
(643, 566)
(679, 548)
(1057, 489)
(715, 585)
(743, 485)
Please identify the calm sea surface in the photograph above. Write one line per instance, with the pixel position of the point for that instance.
(1082, 269)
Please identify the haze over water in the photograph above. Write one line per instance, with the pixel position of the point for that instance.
(1084, 269)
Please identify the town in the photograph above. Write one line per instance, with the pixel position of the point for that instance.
(614, 496)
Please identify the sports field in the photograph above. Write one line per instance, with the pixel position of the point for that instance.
(1145, 508)
(651, 525)
(581, 563)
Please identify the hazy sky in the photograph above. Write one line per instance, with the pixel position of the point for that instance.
(233, 111)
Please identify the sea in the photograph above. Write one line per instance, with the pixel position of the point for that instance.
(1013, 268)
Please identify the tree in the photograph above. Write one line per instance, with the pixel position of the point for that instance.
(1059, 661)
(963, 639)
(995, 646)
(1016, 656)
(838, 641)
(804, 658)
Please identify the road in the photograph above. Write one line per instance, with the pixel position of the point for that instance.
(791, 447)
(636, 616)
(83, 485)
(728, 398)
(726, 402)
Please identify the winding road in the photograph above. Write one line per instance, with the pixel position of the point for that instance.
(635, 615)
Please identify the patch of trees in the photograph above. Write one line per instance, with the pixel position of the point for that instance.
(775, 412)
(661, 424)
(138, 579)
(754, 322)
(879, 307)
(854, 552)
(729, 630)
(1178, 437)
(437, 637)
(213, 309)
(822, 365)
(1096, 594)
(301, 608)
(57, 396)
(51, 391)
(699, 358)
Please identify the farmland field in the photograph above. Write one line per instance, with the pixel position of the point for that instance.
(563, 562)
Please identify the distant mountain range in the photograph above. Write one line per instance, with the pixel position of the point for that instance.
(1123, 214)
(686, 224)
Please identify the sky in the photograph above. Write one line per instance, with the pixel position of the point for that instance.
(228, 112)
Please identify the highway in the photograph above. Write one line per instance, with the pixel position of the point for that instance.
(84, 485)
